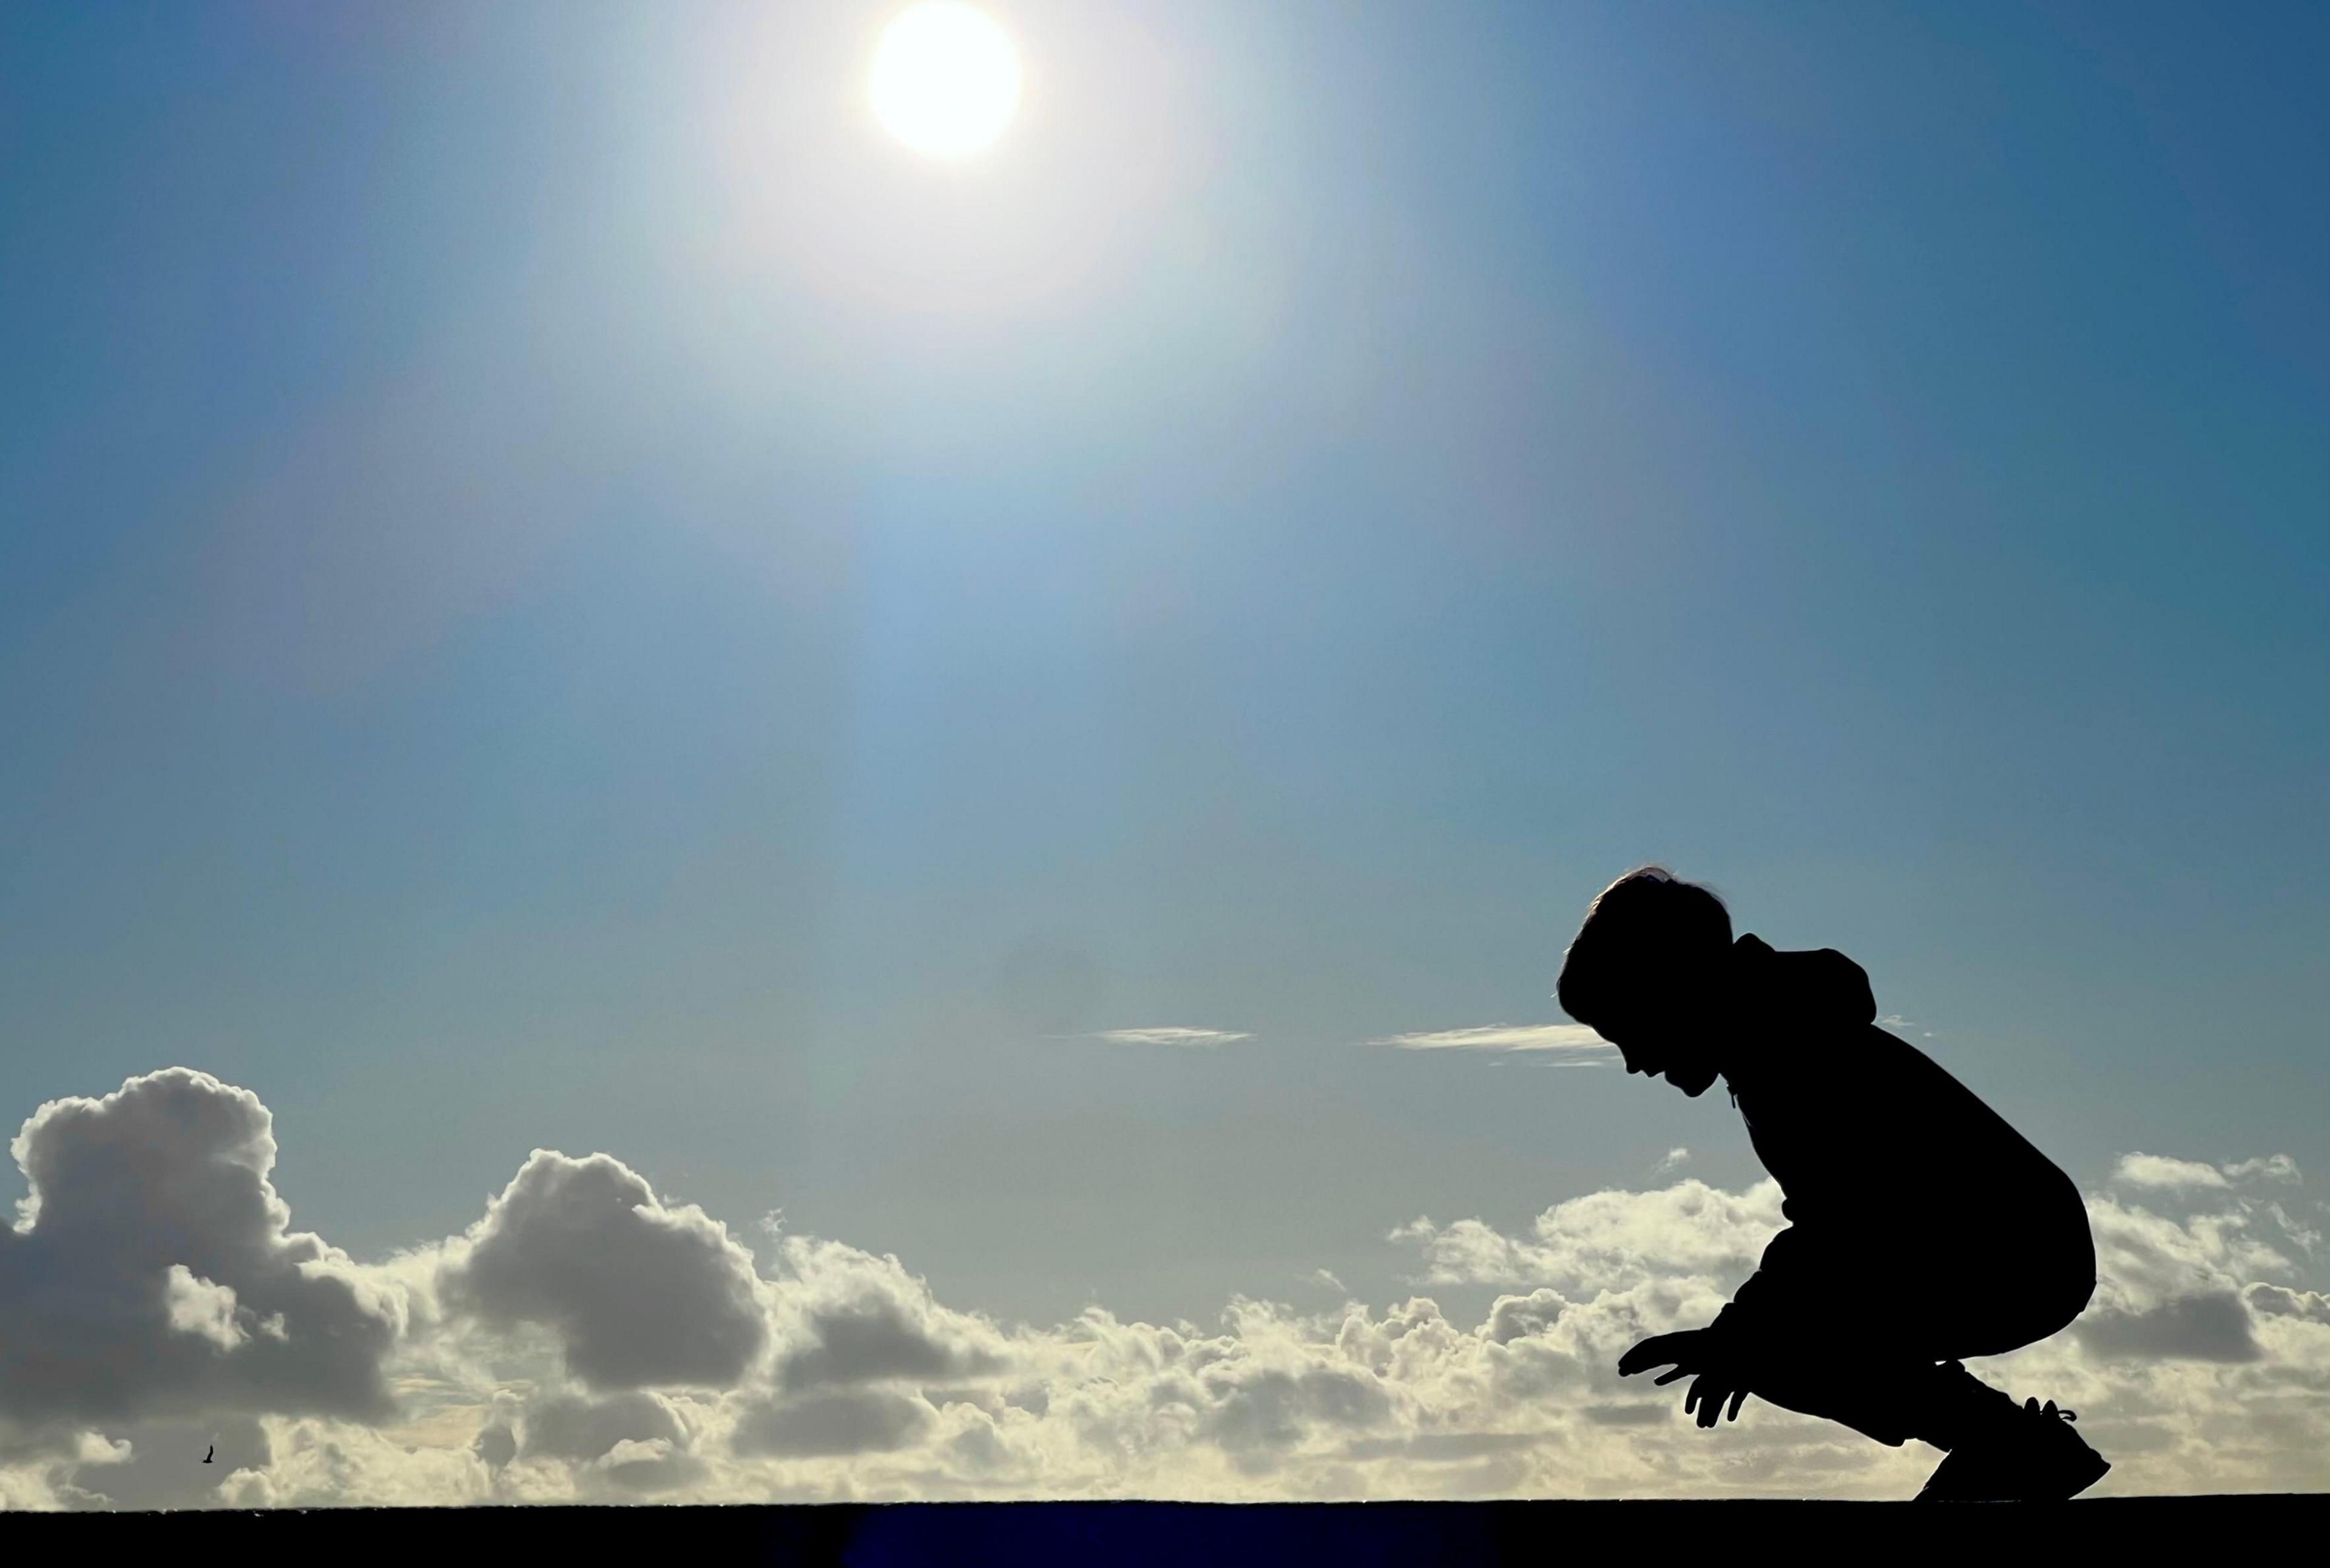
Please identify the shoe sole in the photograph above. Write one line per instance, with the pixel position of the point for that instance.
(2094, 1471)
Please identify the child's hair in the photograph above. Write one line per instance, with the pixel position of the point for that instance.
(1638, 926)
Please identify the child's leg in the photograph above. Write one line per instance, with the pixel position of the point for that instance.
(1883, 1396)
(1897, 1376)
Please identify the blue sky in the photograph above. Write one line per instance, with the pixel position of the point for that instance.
(556, 590)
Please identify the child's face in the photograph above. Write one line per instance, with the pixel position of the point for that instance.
(1684, 1063)
(1668, 1032)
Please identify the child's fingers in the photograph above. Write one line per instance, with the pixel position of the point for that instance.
(1656, 1351)
(1709, 1394)
(1679, 1372)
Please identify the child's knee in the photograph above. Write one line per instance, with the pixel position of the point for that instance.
(2068, 1297)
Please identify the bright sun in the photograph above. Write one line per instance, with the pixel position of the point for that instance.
(945, 78)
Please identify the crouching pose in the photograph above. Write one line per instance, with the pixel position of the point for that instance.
(1922, 1227)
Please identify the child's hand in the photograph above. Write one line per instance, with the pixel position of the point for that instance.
(1692, 1351)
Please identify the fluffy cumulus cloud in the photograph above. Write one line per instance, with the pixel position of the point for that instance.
(587, 1338)
(152, 1270)
(638, 1294)
(1610, 1241)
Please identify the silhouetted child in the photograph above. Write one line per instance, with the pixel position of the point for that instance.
(1923, 1229)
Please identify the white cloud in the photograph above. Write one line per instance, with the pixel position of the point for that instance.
(152, 1269)
(1569, 1038)
(1171, 1035)
(848, 1317)
(2212, 1327)
(2276, 1301)
(637, 1293)
(588, 1340)
(195, 1306)
(1675, 1159)
(825, 1425)
(1610, 1241)
(625, 1444)
(2276, 1168)
(576, 1427)
(2157, 1171)
(158, 1464)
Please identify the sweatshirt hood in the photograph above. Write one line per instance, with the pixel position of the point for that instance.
(1819, 989)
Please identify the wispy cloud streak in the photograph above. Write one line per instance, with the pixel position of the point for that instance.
(1171, 1034)
(1572, 1040)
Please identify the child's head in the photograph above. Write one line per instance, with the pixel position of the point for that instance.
(1642, 972)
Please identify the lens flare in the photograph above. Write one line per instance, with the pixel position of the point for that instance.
(946, 79)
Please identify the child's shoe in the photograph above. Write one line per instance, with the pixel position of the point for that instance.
(2036, 1458)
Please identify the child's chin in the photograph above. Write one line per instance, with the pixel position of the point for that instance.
(1692, 1084)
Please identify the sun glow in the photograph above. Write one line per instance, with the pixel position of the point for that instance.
(945, 78)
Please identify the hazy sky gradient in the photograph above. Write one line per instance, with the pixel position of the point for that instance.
(556, 590)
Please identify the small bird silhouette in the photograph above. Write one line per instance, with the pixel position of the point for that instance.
(206, 1457)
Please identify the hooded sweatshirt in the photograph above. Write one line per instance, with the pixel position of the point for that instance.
(1898, 1182)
